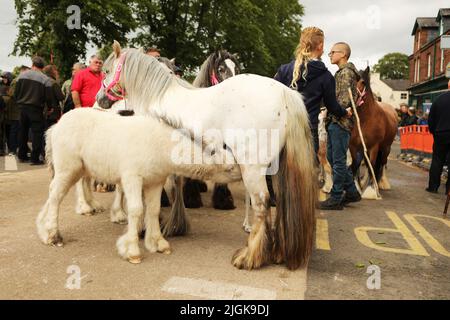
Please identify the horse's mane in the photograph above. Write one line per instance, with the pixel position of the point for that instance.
(146, 81)
(203, 79)
(365, 76)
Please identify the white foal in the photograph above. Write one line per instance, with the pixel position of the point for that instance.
(139, 153)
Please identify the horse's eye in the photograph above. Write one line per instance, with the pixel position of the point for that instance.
(221, 69)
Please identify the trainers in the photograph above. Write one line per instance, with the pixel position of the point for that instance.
(349, 198)
(331, 204)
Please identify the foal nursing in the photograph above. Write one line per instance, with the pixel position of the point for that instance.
(137, 152)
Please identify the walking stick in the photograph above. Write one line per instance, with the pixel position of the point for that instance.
(447, 203)
(369, 164)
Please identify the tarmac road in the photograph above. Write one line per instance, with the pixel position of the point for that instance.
(410, 255)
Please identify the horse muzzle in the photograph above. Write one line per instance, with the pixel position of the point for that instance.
(103, 101)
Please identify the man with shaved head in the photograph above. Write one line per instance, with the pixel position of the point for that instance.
(339, 131)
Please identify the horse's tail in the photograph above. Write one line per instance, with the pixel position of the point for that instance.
(296, 188)
(177, 223)
(49, 151)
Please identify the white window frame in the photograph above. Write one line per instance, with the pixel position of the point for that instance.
(429, 66)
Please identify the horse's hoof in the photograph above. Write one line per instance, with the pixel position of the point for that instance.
(167, 252)
(247, 229)
(239, 258)
(56, 240)
(135, 260)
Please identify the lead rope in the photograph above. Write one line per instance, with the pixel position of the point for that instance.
(369, 164)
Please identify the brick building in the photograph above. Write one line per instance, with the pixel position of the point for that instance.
(428, 63)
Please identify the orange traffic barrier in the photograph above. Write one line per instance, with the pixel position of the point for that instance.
(403, 144)
(428, 142)
(416, 139)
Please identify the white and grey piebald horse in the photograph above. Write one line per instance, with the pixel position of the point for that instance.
(234, 113)
(139, 153)
(219, 66)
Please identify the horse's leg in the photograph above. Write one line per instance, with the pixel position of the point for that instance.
(47, 220)
(247, 225)
(169, 187)
(83, 207)
(117, 213)
(222, 198)
(128, 244)
(328, 177)
(384, 182)
(191, 194)
(258, 249)
(370, 191)
(89, 196)
(154, 241)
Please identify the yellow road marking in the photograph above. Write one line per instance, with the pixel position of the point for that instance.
(362, 234)
(429, 239)
(322, 240)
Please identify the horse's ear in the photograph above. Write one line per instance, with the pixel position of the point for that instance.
(141, 50)
(116, 48)
(172, 61)
(367, 70)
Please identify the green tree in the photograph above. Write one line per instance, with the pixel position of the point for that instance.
(43, 28)
(393, 66)
(263, 33)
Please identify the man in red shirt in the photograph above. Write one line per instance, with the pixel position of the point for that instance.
(87, 83)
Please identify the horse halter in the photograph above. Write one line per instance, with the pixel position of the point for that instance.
(214, 79)
(361, 94)
(116, 93)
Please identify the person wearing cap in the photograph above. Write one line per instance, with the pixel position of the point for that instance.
(33, 91)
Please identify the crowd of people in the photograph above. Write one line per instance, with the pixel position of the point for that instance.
(410, 116)
(37, 98)
(34, 101)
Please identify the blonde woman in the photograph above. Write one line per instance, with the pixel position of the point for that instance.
(308, 75)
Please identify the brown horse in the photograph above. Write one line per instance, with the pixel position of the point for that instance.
(379, 127)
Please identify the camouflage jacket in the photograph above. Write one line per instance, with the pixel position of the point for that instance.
(346, 77)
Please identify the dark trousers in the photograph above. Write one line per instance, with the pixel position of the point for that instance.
(2, 132)
(31, 117)
(441, 150)
(338, 141)
(12, 135)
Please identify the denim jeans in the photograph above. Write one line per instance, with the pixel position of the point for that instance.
(338, 141)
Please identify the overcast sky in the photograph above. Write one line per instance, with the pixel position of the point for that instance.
(372, 28)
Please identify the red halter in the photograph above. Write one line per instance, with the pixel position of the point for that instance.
(114, 95)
